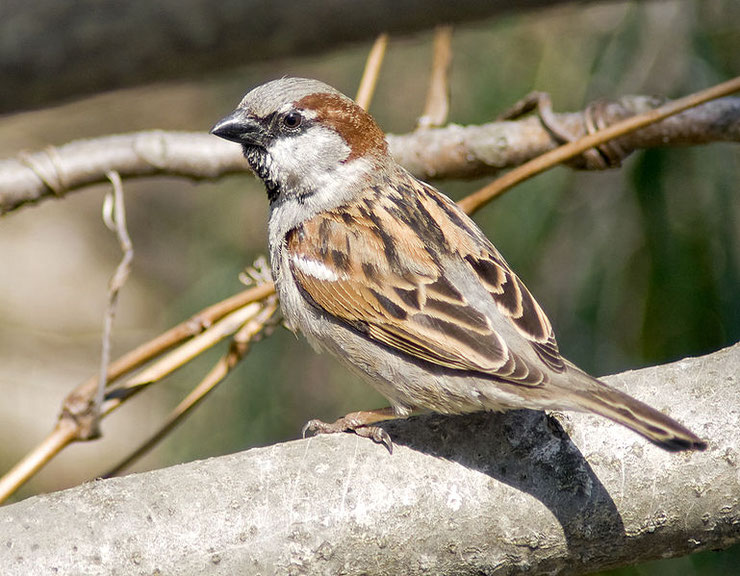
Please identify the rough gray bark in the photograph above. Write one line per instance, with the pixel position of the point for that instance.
(510, 493)
(450, 152)
(51, 50)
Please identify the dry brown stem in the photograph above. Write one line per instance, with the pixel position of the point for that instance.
(438, 103)
(77, 420)
(240, 345)
(475, 201)
(372, 70)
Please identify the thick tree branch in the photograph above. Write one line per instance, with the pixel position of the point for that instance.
(53, 50)
(509, 493)
(449, 152)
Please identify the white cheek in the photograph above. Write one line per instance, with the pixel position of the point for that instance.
(302, 160)
(314, 176)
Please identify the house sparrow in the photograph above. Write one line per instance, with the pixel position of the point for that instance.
(389, 275)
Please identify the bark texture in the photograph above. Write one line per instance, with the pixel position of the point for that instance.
(450, 152)
(512, 493)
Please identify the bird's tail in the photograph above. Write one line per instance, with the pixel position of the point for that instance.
(604, 400)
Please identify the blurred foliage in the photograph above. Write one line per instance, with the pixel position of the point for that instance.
(636, 266)
(710, 563)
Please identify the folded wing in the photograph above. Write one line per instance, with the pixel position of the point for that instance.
(380, 266)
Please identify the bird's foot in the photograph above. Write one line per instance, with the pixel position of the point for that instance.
(361, 423)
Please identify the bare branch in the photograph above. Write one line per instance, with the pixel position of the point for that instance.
(510, 493)
(450, 152)
(596, 140)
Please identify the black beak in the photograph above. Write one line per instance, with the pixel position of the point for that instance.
(240, 128)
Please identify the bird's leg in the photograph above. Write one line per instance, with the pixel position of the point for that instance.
(361, 423)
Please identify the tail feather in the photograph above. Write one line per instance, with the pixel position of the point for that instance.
(604, 400)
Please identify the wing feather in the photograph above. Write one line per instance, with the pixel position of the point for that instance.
(388, 282)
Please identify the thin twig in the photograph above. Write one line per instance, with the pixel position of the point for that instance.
(542, 104)
(68, 428)
(114, 216)
(64, 432)
(238, 349)
(194, 325)
(372, 71)
(537, 165)
(180, 356)
(438, 105)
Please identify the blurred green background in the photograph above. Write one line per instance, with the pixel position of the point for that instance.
(635, 267)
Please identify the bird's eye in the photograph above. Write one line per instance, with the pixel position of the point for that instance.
(292, 120)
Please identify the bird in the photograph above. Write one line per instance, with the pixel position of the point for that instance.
(389, 275)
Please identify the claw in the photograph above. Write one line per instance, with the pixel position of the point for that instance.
(375, 433)
(320, 427)
(384, 438)
(310, 426)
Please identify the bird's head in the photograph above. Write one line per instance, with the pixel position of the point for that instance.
(308, 142)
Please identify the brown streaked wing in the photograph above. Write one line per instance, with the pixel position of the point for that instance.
(550, 354)
(512, 297)
(399, 299)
